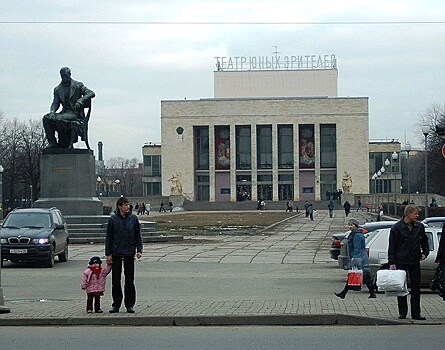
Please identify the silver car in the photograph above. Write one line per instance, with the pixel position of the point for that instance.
(377, 248)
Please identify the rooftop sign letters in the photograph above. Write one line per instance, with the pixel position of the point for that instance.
(275, 62)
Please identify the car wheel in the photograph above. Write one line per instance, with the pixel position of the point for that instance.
(50, 262)
(64, 256)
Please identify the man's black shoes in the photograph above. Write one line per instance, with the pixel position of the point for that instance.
(130, 310)
(113, 310)
(401, 317)
(418, 317)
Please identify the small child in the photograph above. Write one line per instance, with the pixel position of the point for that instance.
(93, 282)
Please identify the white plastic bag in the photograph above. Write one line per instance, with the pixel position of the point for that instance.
(391, 281)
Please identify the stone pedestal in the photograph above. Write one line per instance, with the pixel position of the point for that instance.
(178, 201)
(347, 197)
(68, 182)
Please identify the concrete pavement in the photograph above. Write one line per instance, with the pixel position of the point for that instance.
(283, 275)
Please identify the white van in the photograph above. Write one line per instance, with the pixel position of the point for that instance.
(377, 249)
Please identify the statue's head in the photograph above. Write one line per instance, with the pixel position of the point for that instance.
(65, 74)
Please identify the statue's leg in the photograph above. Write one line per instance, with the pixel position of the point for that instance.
(49, 125)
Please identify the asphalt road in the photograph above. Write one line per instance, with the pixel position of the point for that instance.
(224, 338)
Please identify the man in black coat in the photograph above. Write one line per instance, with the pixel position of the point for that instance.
(123, 243)
(408, 245)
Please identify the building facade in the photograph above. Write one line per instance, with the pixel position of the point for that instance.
(274, 135)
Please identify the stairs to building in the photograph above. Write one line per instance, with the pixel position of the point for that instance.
(249, 205)
(92, 229)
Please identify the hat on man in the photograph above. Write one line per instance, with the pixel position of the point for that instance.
(95, 260)
(354, 222)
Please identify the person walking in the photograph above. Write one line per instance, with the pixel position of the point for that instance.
(123, 242)
(347, 207)
(306, 208)
(440, 259)
(311, 211)
(93, 283)
(331, 208)
(408, 245)
(359, 205)
(162, 208)
(356, 245)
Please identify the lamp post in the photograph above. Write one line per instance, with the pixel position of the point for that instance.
(408, 149)
(387, 164)
(1, 192)
(3, 308)
(98, 180)
(117, 182)
(426, 131)
(374, 177)
(395, 157)
(379, 174)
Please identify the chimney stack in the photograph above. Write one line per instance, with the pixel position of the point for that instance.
(100, 147)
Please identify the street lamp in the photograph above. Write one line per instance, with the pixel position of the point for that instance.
(387, 164)
(374, 177)
(1, 192)
(379, 174)
(117, 182)
(408, 149)
(395, 157)
(382, 171)
(98, 180)
(425, 132)
(3, 308)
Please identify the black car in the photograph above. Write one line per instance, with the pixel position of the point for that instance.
(34, 234)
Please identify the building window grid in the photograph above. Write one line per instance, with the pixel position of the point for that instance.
(285, 147)
(243, 148)
(202, 155)
(264, 146)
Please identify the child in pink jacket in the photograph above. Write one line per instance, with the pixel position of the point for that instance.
(93, 282)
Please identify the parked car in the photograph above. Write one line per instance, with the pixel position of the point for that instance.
(377, 248)
(337, 238)
(34, 235)
(434, 221)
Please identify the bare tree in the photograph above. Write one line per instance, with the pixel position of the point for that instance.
(128, 172)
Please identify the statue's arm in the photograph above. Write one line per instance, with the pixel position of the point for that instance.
(56, 103)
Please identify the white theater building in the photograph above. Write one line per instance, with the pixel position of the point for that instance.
(276, 129)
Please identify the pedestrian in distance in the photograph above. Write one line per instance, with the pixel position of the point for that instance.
(162, 208)
(289, 207)
(440, 259)
(347, 207)
(311, 211)
(123, 243)
(170, 206)
(93, 283)
(306, 208)
(359, 205)
(408, 245)
(368, 207)
(356, 245)
(147, 208)
(331, 208)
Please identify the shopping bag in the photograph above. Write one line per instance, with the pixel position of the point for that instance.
(355, 279)
(391, 280)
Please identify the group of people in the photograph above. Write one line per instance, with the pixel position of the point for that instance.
(142, 208)
(408, 246)
(309, 210)
(123, 245)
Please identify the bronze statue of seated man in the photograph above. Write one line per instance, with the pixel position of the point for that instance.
(69, 122)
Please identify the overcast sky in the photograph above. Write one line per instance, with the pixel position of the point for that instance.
(135, 53)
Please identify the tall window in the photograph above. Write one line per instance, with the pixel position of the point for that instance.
(201, 138)
(285, 187)
(203, 188)
(152, 165)
(243, 147)
(285, 147)
(264, 146)
(328, 149)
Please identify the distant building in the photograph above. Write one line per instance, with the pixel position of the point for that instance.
(267, 134)
(151, 172)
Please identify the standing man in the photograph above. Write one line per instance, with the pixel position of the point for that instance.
(408, 245)
(123, 243)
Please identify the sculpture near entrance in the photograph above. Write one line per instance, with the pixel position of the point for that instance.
(347, 182)
(70, 123)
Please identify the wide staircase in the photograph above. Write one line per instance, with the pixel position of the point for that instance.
(93, 229)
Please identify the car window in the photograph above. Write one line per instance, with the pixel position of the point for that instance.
(56, 218)
(430, 240)
(438, 224)
(28, 220)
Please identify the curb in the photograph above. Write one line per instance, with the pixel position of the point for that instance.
(188, 321)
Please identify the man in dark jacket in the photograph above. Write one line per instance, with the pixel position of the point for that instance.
(408, 245)
(123, 243)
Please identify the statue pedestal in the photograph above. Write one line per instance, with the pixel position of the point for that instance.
(348, 197)
(68, 182)
(177, 200)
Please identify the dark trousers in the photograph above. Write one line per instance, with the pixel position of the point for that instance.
(129, 288)
(413, 271)
(93, 297)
